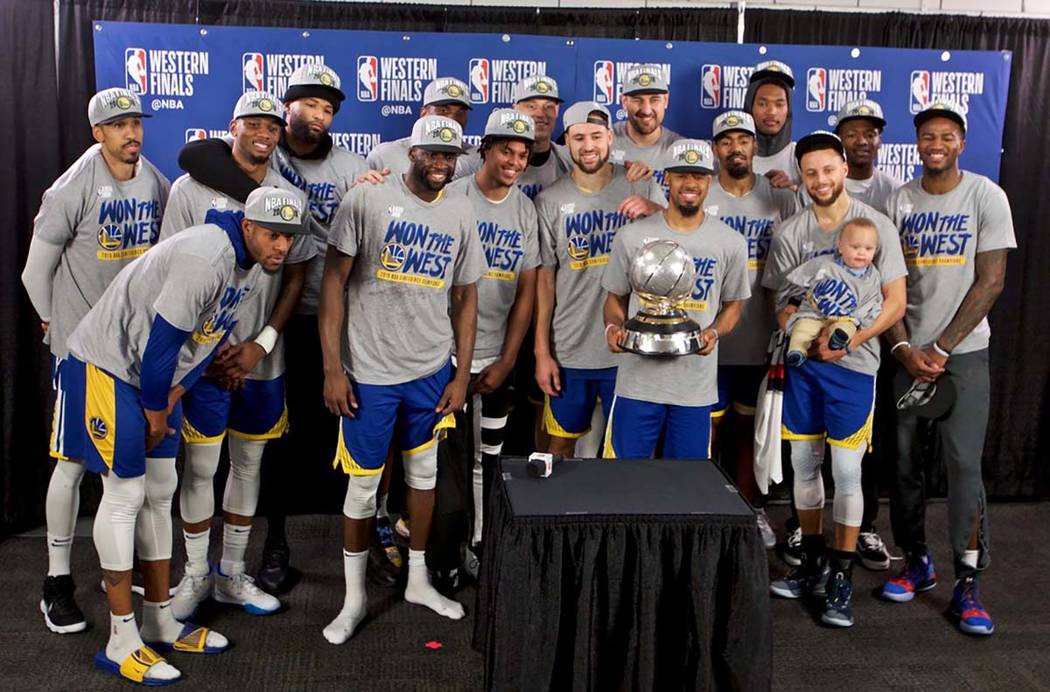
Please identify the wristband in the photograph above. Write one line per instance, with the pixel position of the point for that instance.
(712, 329)
(940, 351)
(607, 328)
(898, 345)
(267, 338)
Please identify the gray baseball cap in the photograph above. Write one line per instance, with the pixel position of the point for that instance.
(314, 79)
(644, 79)
(864, 108)
(445, 90)
(277, 209)
(942, 109)
(259, 103)
(538, 86)
(437, 133)
(816, 140)
(579, 112)
(732, 121)
(113, 104)
(773, 69)
(507, 123)
(688, 156)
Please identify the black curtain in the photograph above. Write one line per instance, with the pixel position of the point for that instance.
(1019, 425)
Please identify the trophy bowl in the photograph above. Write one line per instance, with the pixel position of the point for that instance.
(663, 275)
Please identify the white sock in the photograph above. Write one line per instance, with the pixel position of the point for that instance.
(58, 550)
(124, 639)
(969, 558)
(355, 603)
(159, 625)
(420, 591)
(196, 552)
(61, 508)
(234, 545)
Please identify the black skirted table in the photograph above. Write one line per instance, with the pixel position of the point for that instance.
(622, 575)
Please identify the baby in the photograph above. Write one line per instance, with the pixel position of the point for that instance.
(841, 292)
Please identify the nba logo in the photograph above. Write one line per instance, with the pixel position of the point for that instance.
(252, 64)
(195, 133)
(816, 88)
(604, 84)
(920, 90)
(367, 78)
(135, 70)
(479, 80)
(711, 86)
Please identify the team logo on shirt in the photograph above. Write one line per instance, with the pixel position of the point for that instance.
(589, 237)
(393, 256)
(931, 239)
(415, 253)
(98, 428)
(832, 297)
(223, 319)
(503, 250)
(127, 228)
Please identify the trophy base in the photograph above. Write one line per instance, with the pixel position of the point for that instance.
(650, 335)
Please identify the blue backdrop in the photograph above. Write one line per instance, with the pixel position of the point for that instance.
(191, 76)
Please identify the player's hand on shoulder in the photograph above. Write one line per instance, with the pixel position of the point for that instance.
(637, 207)
(372, 177)
(781, 180)
(637, 170)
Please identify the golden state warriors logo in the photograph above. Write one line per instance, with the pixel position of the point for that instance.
(287, 212)
(265, 105)
(123, 103)
(325, 78)
(99, 429)
(110, 237)
(644, 79)
(446, 134)
(542, 88)
(393, 256)
(519, 126)
(579, 247)
(453, 90)
(691, 156)
(731, 121)
(208, 328)
(863, 110)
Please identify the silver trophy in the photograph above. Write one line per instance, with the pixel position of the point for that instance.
(663, 275)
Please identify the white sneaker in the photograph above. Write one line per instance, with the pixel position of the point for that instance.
(189, 594)
(240, 589)
(768, 537)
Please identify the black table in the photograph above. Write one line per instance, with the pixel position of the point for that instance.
(622, 575)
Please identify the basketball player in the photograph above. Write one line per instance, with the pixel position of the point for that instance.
(404, 258)
(860, 125)
(832, 394)
(670, 399)
(644, 94)
(579, 216)
(956, 230)
(768, 101)
(537, 97)
(101, 214)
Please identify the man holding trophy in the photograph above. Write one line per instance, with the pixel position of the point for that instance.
(688, 272)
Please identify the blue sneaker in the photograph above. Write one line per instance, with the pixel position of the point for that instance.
(794, 359)
(800, 581)
(917, 576)
(838, 601)
(966, 606)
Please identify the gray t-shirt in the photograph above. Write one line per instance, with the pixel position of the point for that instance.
(191, 280)
(509, 232)
(102, 224)
(394, 155)
(624, 149)
(828, 289)
(783, 160)
(800, 239)
(874, 191)
(941, 236)
(576, 236)
(407, 256)
(720, 256)
(324, 181)
(755, 216)
(535, 178)
(189, 204)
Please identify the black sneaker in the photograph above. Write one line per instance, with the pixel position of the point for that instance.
(61, 614)
(872, 551)
(791, 551)
(446, 582)
(838, 601)
(380, 571)
(275, 575)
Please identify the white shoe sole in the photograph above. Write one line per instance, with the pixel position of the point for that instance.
(61, 629)
(835, 621)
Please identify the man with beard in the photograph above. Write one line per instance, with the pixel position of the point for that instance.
(447, 97)
(644, 94)
(403, 261)
(579, 216)
(537, 97)
(98, 216)
(832, 394)
(750, 205)
(768, 100)
(243, 391)
(956, 229)
(670, 399)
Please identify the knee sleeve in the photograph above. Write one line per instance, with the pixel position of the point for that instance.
(197, 497)
(114, 530)
(242, 483)
(421, 468)
(63, 498)
(153, 528)
(360, 501)
(849, 493)
(806, 458)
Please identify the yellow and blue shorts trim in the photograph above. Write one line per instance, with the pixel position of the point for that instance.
(383, 411)
(104, 422)
(636, 428)
(569, 415)
(256, 411)
(738, 385)
(57, 442)
(826, 399)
